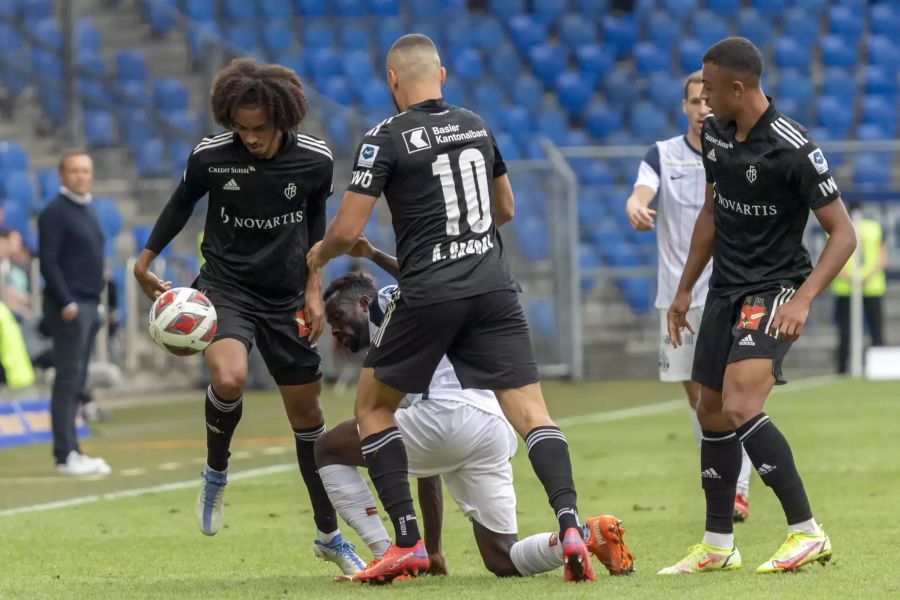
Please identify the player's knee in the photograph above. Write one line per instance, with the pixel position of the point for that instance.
(229, 384)
(737, 415)
(708, 414)
(323, 450)
(500, 565)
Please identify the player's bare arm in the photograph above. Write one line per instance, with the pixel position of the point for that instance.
(431, 502)
(788, 322)
(313, 308)
(638, 210)
(698, 257)
(343, 231)
(504, 201)
(152, 285)
(363, 248)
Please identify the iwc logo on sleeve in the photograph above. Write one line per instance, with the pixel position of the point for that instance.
(290, 191)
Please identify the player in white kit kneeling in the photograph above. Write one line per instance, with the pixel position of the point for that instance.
(450, 432)
(672, 172)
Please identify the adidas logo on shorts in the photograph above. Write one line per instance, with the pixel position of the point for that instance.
(747, 341)
(710, 474)
(231, 185)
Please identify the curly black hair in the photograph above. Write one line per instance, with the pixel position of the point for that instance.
(359, 284)
(275, 88)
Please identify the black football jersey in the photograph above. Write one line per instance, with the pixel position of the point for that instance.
(263, 216)
(764, 188)
(435, 164)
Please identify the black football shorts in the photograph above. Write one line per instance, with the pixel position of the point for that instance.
(485, 337)
(737, 327)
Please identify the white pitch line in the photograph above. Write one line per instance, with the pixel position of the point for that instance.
(168, 466)
(600, 417)
(132, 472)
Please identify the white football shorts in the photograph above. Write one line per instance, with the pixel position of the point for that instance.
(471, 450)
(675, 364)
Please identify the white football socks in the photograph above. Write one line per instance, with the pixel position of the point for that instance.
(695, 425)
(743, 482)
(538, 553)
(719, 540)
(810, 527)
(354, 502)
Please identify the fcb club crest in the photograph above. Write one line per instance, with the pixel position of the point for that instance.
(752, 313)
(751, 174)
(290, 191)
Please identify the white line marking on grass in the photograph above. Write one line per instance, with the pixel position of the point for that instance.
(241, 454)
(599, 417)
(271, 450)
(166, 487)
(168, 466)
(132, 472)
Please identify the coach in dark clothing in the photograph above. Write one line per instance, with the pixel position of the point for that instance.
(71, 259)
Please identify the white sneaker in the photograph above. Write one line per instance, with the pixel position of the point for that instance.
(78, 464)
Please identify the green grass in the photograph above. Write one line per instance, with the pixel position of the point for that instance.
(643, 469)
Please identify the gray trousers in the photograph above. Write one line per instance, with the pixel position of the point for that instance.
(72, 344)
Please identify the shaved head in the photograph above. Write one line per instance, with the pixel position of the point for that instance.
(414, 58)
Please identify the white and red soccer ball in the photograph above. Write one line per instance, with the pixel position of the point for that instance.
(182, 321)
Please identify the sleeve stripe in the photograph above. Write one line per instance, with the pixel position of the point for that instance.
(789, 137)
(319, 149)
(311, 140)
(790, 128)
(203, 147)
(212, 140)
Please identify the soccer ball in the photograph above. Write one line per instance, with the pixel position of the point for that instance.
(182, 321)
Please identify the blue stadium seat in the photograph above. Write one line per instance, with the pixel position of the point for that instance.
(87, 37)
(602, 120)
(754, 27)
(708, 28)
(296, 60)
(240, 10)
(508, 146)
(592, 8)
(317, 34)
(200, 10)
(12, 157)
(619, 89)
(549, 11)
(648, 122)
(109, 216)
(839, 83)
(541, 314)
(131, 65)
(881, 81)
(527, 92)
(433, 28)
(275, 10)
(374, 95)
(833, 114)
(575, 31)
(338, 89)
(350, 8)
(885, 19)
(90, 65)
(794, 86)
(665, 91)
(662, 31)
(354, 36)
(455, 92)
(277, 37)
(505, 8)
(488, 34)
(690, 55)
(836, 52)
(517, 120)
(846, 22)
(526, 32)
(48, 182)
(245, 37)
(576, 138)
(552, 123)
(425, 9)
(388, 31)
(875, 132)
(533, 239)
(200, 36)
(170, 94)
(178, 154)
(99, 129)
(574, 93)
(384, 8)
(884, 52)
(620, 33)
(723, 7)
(871, 172)
(489, 94)
(597, 173)
(679, 9)
(160, 15)
(588, 259)
(151, 158)
(36, 10)
(789, 54)
(649, 58)
(595, 61)
(15, 215)
(812, 8)
(469, 65)
(505, 65)
(357, 65)
(19, 188)
(312, 8)
(797, 24)
(47, 30)
(881, 111)
(638, 292)
(769, 7)
(325, 63)
(548, 61)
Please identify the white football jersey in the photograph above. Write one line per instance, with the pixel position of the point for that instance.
(444, 384)
(674, 171)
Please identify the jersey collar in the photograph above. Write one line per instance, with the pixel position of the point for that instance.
(433, 104)
(760, 129)
(689, 147)
(287, 144)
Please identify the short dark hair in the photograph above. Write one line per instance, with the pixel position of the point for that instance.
(413, 40)
(691, 79)
(359, 284)
(69, 154)
(736, 54)
(274, 88)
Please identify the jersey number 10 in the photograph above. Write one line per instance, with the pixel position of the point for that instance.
(473, 173)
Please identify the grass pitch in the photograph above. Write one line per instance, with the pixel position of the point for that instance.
(638, 464)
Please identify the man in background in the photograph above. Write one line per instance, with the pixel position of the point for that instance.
(71, 258)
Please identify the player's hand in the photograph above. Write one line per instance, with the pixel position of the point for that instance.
(789, 319)
(438, 565)
(677, 317)
(69, 312)
(363, 248)
(641, 218)
(152, 285)
(314, 257)
(314, 315)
